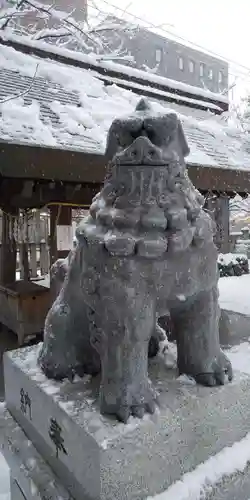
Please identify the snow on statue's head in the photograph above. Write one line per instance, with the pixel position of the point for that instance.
(147, 174)
(147, 138)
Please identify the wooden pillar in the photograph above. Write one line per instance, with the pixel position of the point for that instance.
(8, 250)
(61, 234)
(219, 209)
(24, 248)
(61, 239)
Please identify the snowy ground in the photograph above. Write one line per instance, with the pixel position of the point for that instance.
(235, 294)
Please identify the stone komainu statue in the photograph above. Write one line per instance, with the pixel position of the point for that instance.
(145, 250)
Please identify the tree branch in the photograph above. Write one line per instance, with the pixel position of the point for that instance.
(50, 33)
(70, 24)
(90, 39)
(10, 16)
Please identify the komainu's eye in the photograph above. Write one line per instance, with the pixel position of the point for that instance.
(124, 138)
(151, 133)
(155, 131)
(127, 132)
(161, 130)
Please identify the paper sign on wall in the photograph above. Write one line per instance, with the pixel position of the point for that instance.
(64, 236)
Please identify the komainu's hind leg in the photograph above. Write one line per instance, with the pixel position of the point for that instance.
(67, 349)
(196, 328)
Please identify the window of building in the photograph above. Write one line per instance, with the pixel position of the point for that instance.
(191, 66)
(220, 77)
(210, 74)
(202, 69)
(158, 55)
(181, 63)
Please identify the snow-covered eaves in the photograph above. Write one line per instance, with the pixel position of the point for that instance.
(50, 104)
(108, 70)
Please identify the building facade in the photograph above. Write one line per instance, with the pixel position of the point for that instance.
(31, 20)
(162, 56)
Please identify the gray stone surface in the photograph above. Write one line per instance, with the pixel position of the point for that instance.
(145, 250)
(100, 459)
(8, 341)
(15, 491)
(28, 469)
(234, 327)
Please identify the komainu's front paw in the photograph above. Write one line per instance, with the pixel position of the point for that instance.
(67, 366)
(136, 400)
(57, 367)
(216, 374)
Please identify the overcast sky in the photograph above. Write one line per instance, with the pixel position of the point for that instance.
(222, 26)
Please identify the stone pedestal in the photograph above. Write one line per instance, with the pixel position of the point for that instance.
(15, 491)
(96, 458)
(31, 477)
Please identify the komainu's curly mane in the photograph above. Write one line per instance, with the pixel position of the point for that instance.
(168, 211)
(147, 195)
(145, 192)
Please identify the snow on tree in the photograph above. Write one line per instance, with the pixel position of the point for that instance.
(245, 113)
(71, 28)
(238, 116)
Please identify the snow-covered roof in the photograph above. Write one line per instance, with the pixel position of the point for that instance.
(62, 106)
(109, 67)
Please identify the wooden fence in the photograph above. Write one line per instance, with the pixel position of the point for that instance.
(34, 232)
(38, 256)
(34, 228)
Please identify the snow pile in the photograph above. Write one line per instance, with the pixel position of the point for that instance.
(232, 264)
(91, 121)
(24, 123)
(168, 352)
(230, 258)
